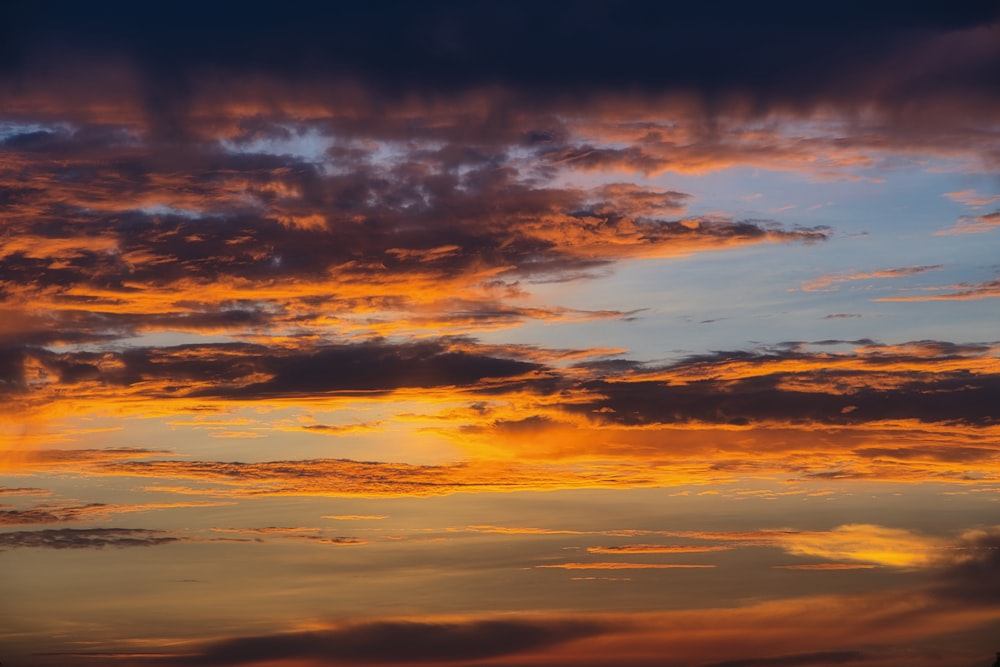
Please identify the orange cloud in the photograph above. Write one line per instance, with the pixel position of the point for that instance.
(656, 549)
(826, 567)
(960, 292)
(822, 283)
(971, 198)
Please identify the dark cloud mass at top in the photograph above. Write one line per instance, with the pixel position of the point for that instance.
(765, 51)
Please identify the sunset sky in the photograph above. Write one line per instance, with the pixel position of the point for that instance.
(511, 334)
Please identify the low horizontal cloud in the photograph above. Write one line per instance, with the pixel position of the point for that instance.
(971, 198)
(989, 289)
(825, 567)
(656, 549)
(974, 224)
(624, 566)
(85, 538)
(868, 544)
(970, 571)
(799, 660)
(921, 381)
(823, 283)
(67, 513)
(401, 642)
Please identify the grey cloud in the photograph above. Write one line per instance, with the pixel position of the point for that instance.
(797, 659)
(85, 538)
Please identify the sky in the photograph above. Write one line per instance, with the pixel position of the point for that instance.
(508, 334)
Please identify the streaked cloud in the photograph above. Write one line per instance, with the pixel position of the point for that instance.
(959, 292)
(823, 283)
(614, 565)
(85, 538)
(971, 198)
(974, 224)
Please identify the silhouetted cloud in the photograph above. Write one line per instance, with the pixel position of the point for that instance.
(401, 642)
(819, 658)
(923, 381)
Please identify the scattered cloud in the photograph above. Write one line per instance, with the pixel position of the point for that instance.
(971, 198)
(974, 224)
(823, 283)
(960, 292)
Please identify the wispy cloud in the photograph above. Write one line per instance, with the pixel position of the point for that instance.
(614, 565)
(85, 538)
(960, 292)
(971, 198)
(824, 283)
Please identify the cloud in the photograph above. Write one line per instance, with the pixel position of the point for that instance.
(426, 235)
(974, 224)
(302, 534)
(823, 282)
(85, 538)
(960, 292)
(42, 514)
(450, 47)
(46, 459)
(920, 381)
(971, 198)
(245, 371)
(826, 567)
(401, 642)
(895, 628)
(656, 549)
(970, 572)
(624, 566)
(23, 491)
(868, 544)
(820, 658)
(51, 514)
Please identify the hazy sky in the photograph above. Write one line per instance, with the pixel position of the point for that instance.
(477, 333)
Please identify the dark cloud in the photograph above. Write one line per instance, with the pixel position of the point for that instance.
(927, 381)
(782, 52)
(115, 219)
(971, 572)
(400, 642)
(48, 514)
(23, 491)
(819, 658)
(234, 370)
(921, 382)
(85, 538)
(375, 367)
